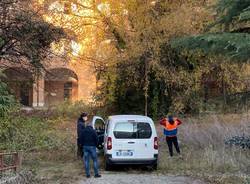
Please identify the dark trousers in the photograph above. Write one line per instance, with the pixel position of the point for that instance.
(79, 151)
(170, 142)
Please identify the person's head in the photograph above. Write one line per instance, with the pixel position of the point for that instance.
(84, 116)
(171, 119)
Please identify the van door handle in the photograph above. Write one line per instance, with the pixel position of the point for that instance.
(131, 142)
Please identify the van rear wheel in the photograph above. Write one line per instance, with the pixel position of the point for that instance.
(107, 166)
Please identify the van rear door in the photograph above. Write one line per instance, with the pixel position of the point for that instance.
(99, 125)
(144, 140)
(132, 140)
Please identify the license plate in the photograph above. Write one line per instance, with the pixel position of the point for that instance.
(127, 153)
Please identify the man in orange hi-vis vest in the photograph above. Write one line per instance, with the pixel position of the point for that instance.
(170, 125)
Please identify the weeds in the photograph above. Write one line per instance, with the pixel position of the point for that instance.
(50, 143)
(28, 134)
(204, 153)
(71, 110)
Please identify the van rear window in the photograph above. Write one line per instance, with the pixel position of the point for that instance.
(132, 130)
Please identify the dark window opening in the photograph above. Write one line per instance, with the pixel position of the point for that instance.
(68, 90)
(24, 96)
(99, 125)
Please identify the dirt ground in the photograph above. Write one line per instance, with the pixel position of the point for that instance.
(146, 178)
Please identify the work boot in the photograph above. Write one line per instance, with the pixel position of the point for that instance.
(98, 176)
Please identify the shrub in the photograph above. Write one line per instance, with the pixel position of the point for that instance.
(27, 133)
(241, 141)
(7, 101)
(68, 109)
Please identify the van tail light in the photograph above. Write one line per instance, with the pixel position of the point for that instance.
(156, 143)
(109, 143)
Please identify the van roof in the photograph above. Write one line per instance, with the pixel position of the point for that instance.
(130, 117)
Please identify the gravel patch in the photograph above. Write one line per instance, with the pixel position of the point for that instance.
(123, 178)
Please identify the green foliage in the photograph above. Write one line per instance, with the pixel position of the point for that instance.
(153, 75)
(233, 45)
(40, 34)
(120, 88)
(176, 84)
(245, 15)
(28, 133)
(69, 109)
(25, 34)
(166, 78)
(232, 103)
(7, 101)
(149, 74)
(232, 41)
(155, 102)
(231, 10)
(39, 130)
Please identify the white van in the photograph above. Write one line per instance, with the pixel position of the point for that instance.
(129, 139)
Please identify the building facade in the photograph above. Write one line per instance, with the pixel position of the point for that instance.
(60, 81)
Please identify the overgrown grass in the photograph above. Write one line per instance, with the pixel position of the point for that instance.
(204, 153)
(202, 142)
(71, 110)
(29, 134)
(49, 129)
(49, 140)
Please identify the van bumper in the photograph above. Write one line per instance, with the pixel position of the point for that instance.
(115, 161)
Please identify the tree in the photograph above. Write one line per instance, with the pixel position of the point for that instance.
(93, 24)
(24, 35)
(97, 26)
(150, 78)
(229, 35)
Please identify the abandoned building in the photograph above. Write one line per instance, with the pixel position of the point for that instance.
(61, 81)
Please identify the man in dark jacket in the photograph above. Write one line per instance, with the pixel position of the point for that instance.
(89, 141)
(80, 127)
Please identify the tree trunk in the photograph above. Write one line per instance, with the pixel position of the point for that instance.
(146, 80)
(146, 87)
(224, 93)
